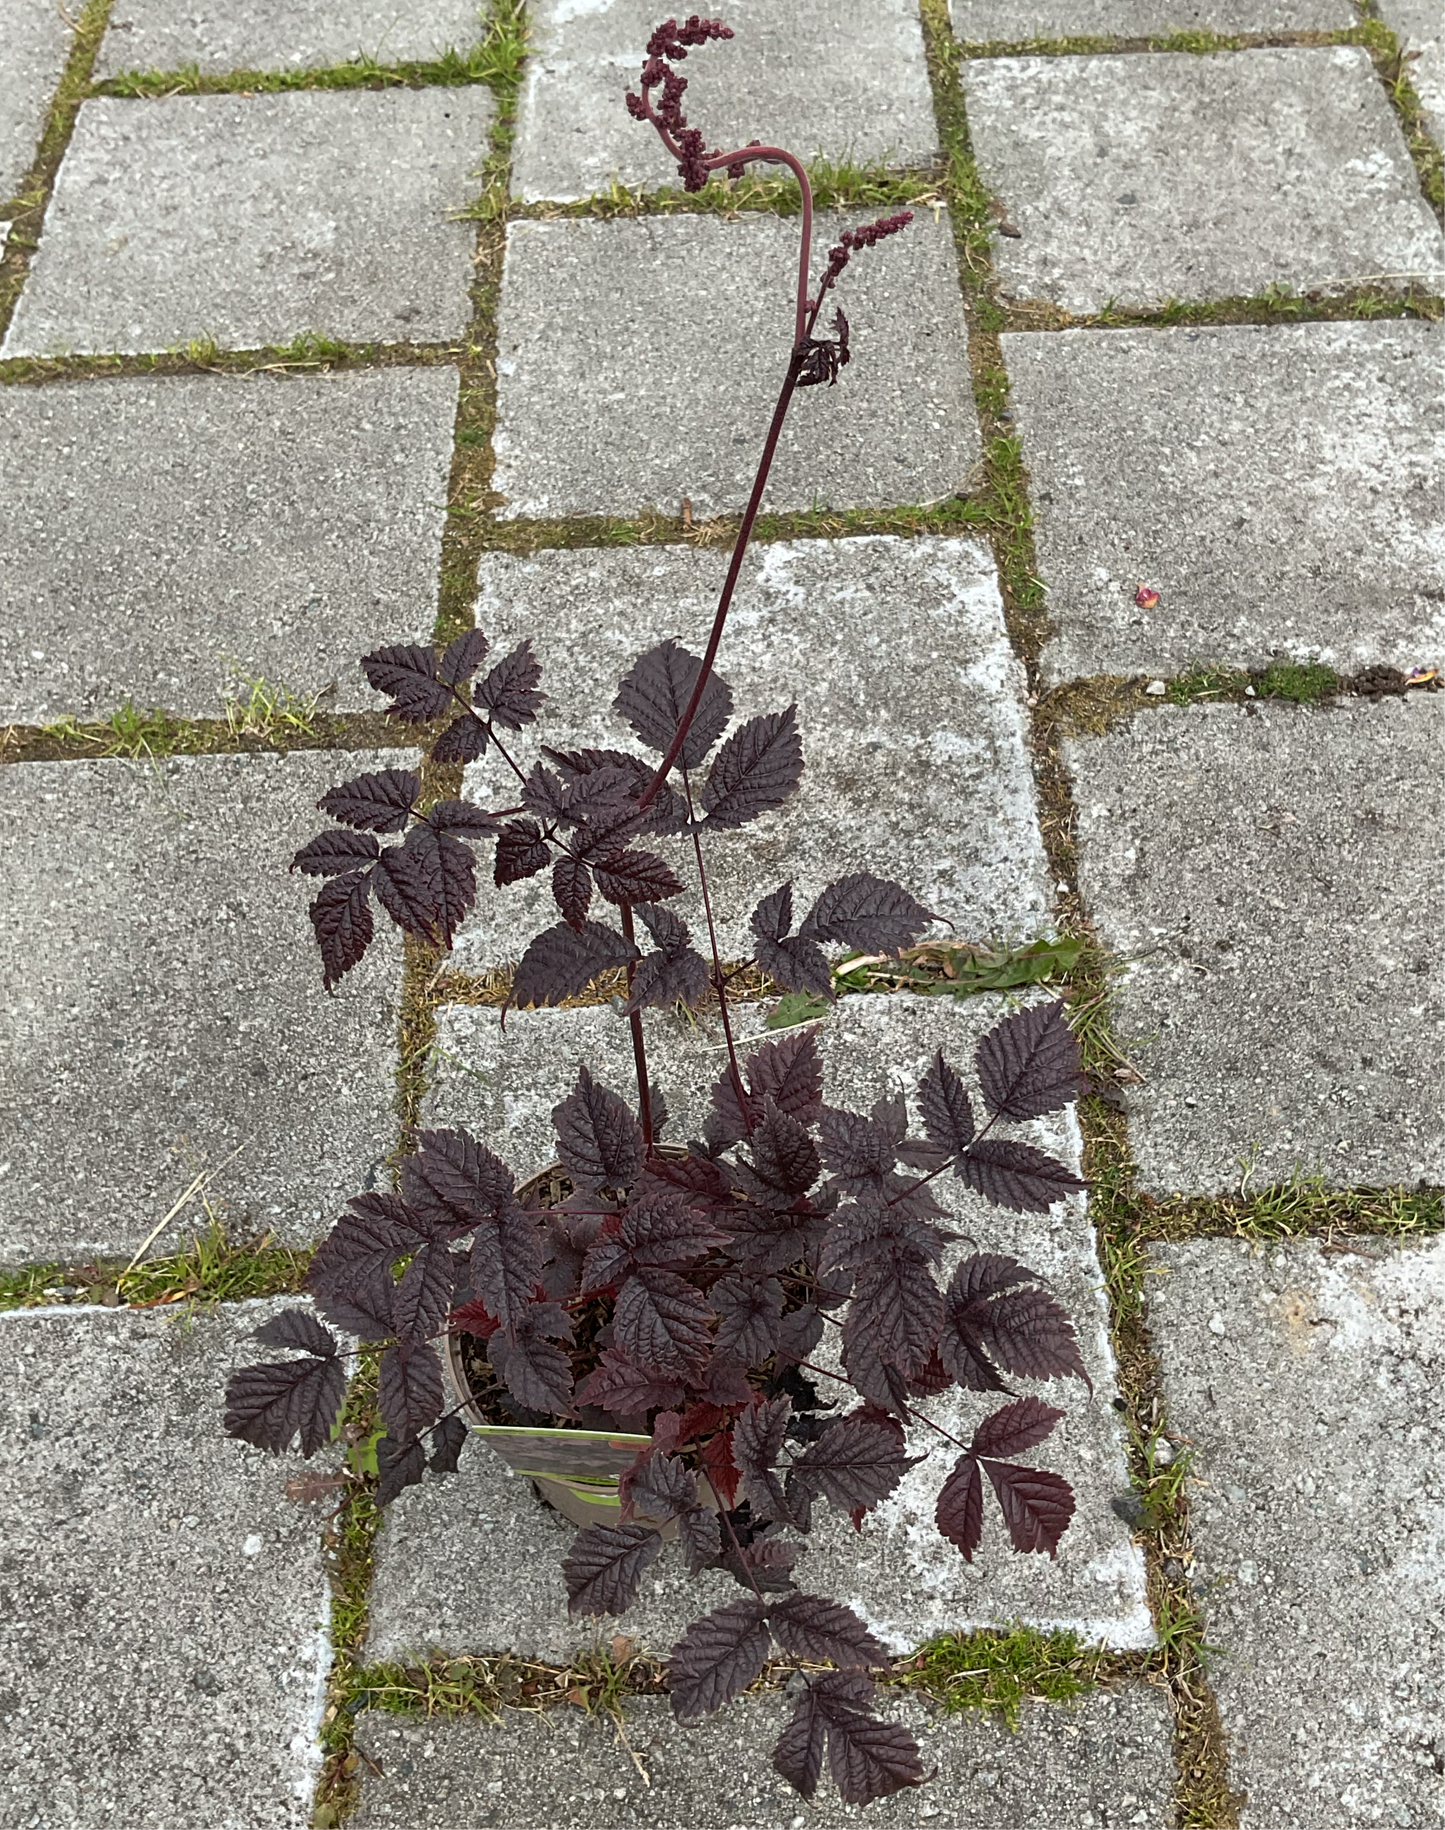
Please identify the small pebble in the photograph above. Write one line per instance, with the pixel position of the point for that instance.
(1216, 1323)
(1156, 689)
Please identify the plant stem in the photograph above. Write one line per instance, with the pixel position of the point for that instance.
(719, 978)
(639, 1045)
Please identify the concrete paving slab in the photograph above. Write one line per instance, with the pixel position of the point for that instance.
(164, 1627)
(1279, 486)
(1268, 871)
(251, 219)
(37, 44)
(1422, 32)
(433, 1590)
(162, 1010)
(913, 727)
(169, 539)
(259, 35)
(1135, 180)
(600, 412)
(836, 78)
(1023, 21)
(1105, 1760)
(1307, 1378)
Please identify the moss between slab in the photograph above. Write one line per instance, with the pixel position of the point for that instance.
(1275, 305)
(26, 210)
(210, 1270)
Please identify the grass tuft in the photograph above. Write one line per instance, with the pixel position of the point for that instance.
(212, 1269)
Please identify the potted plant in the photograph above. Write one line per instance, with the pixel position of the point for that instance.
(641, 1327)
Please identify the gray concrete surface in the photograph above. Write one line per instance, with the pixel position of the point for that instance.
(168, 539)
(1135, 180)
(639, 361)
(433, 1590)
(1021, 21)
(1270, 872)
(161, 1006)
(1422, 32)
(37, 43)
(251, 219)
(910, 708)
(221, 35)
(1307, 1378)
(1281, 487)
(835, 78)
(165, 1616)
(1104, 1761)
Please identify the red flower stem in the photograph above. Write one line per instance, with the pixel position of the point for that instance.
(639, 1045)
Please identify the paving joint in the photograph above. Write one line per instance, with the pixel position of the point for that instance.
(453, 70)
(152, 732)
(26, 211)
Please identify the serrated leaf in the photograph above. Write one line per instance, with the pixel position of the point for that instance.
(718, 1657)
(764, 1564)
(506, 1262)
(439, 875)
(453, 1183)
(1016, 1176)
(527, 1360)
(621, 1386)
(759, 1436)
(749, 1310)
(660, 1487)
(947, 1112)
(661, 1322)
(463, 741)
(332, 852)
(299, 1329)
(1025, 1332)
(463, 819)
(755, 771)
(662, 979)
(788, 1071)
(798, 1755)
(857, 1151)
(855, 1462)
(870, 1758)
(380, 802)
(605, 1565)
(407, 675)
(870, 913)
(462, 658)
(341, 918)
(766, 1241)
(783, 1153)
(636, 877)
(399, 1464)
(562, 961)
(271, 1403)
(1037, 1505)
(409, 1389)
(572, 889)
(896, 1306)
(722, 1470)
(1015, 1429)
(701, 1536)
(1028, 1064)
(521, 852)
(813, 1627)
(799, 1332)
(958, 1512)
(407, 888)
(797, 965)
(598, 1139)
(509, 693)
(422, 1298)
(654, 694)
(448, 1440)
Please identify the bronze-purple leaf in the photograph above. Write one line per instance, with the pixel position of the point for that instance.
(449, 1438)
(271, 1403)
(1014, 1175)
(718, 1657)
(813, 1627)
(407, 675)
(409, 1389)
(381, 802)
(654, 694)
(1028, 1064)
(562, 961)
(506, 1262)
(572, 889)
(332, 852)
(626, 1389)
(958, 1512)
(521, 852)
(636, 876)
(509, 693)
(755, 771)
(463, 741)
(598, 1138)
(659, 1486)
(527, 1360)
(341, 917)
(943, 1100)
(605, 1565)
(462, 658)
(462, 818)
(749, 1310)
(661, 1321)
(871, 913)
(1015, 1429)
(400, 1463)
(453, 1183)
(1037, 1505)
(855, 1462)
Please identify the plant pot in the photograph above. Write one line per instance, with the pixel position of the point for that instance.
(576, 1471)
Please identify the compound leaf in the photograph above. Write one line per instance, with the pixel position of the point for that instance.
(654, 694)
(380, 802)
(271, 1403)
(813, 1627)
(341, 918)
(718, 1657)
(871, 913)
(598, 1138)
(509, 693)
(605, 1565)
(562, 961)
(755, 771)
(1013, 1175)
(855, 1462)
